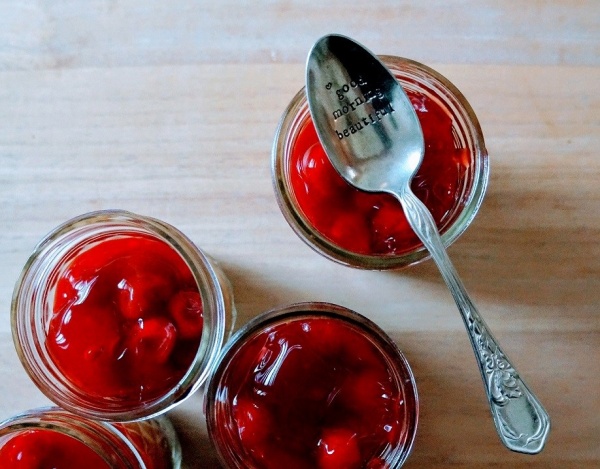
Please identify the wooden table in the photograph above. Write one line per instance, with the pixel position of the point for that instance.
(169, 109)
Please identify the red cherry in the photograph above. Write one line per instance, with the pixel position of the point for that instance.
(24, 451)
(350, 231)
(84, 341)
(185, 308)
(311, 165)
(436, 123)
(388, 216)
(152, 340)
(320, 191)
(87, 265)
(93, 334)
(318, 172)
(368, 393)
(377, 463)
(253, 422)
(288, 364)
(390, 227)
(40, 449)
(324, 337)
(65, 294)
(143, 293)
(338, 449)
(446, 182)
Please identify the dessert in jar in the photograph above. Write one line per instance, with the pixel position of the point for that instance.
(118, 316)
(312, 386)
(369, 230)
(53, 438)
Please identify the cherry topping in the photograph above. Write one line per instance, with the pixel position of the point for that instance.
(19, 453)
(152, 340)
(186, 310)
(43, 449)
(312, 392)
(142, 293)
(127, 318)
(371, 223)
(338, 448)
(253, 422)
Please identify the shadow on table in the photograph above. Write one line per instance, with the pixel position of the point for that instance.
(255, 294)
(189, 422)
(517, 263)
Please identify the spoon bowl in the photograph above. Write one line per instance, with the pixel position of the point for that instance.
(369, 113)
(372, 136)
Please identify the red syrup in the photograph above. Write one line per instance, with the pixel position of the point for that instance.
(42, 449)
(313, 393)
(374, 223)
(127, 319)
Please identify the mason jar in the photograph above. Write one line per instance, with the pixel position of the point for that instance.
(369, 230)
(312, 385)
(119, 317)
(52, 437)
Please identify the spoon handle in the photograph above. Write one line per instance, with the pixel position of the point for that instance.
(521, 421)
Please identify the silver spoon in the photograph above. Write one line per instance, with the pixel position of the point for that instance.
(373, 138)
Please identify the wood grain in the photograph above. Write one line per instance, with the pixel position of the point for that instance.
(169, 109)
(110, 33)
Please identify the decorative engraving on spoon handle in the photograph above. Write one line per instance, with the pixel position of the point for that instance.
(521, 421)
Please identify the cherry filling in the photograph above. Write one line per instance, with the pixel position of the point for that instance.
(312, 392)
(127, 319)
(43, 449)
(374, 223)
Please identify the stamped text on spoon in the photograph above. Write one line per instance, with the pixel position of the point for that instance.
(354, 100)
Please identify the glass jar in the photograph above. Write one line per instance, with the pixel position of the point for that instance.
(319, 219)
(119, 317)
(49, 433)
(312, 385)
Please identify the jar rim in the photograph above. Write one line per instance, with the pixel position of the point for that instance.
(101, 437)
(24, 320)
(297, 311)
(296, 114)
